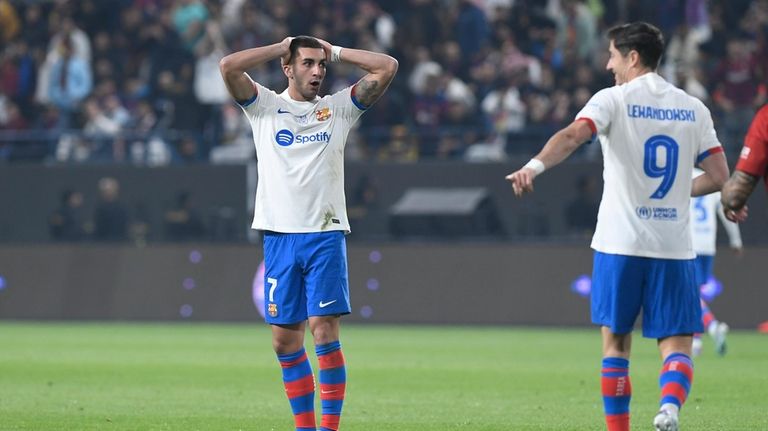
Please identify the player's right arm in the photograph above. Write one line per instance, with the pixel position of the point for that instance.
(233, 67)
(561, 145)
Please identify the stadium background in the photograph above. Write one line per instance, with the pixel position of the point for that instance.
(437, 236)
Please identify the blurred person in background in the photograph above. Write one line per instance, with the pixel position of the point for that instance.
(581, 212)
(110, 217)
(69, 83)
(300, 207)
(67, 39)
(67, 222)
(739, 89)
(9, 22)
(183, 221)
(640, 260)
(705, 210)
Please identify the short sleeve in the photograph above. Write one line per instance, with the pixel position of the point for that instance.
(754, 155)
(599, 111)
(263, 98)
(344, 101)
(709, 144)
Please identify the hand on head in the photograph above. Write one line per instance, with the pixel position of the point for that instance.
(327, 48)
(286, 57)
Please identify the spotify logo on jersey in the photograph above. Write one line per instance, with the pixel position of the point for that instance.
(284, 138)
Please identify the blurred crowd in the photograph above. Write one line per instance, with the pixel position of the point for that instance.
(137, 80)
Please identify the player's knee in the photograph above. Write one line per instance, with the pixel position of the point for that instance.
(325, 331)
(284, 344)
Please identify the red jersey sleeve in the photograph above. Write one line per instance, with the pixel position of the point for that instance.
(754, 156)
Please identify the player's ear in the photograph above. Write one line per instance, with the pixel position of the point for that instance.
(288, 70)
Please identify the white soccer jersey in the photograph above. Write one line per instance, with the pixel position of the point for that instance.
(704, 209)
(300, 152)
(651, 134)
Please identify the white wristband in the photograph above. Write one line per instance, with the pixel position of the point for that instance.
(335, 54)
(537, 166)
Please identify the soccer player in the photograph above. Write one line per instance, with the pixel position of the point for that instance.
(752, 164)
(651, 133)
(300, 205)
(704, 211)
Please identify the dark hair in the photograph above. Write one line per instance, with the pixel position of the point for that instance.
(642, 37)
(302, 42)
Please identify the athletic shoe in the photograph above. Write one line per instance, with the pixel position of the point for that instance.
(719, 333)
(697, 345)
(665, 421)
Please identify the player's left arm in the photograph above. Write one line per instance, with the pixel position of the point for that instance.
(381, 70)
(715, 174)
(561, 145)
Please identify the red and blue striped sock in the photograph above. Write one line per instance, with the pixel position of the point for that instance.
(333, 384)
(617, 392)
(706, 315)
(300, 388)
(675, 380)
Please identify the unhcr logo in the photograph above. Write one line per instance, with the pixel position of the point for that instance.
(657, 213)
(644, 212)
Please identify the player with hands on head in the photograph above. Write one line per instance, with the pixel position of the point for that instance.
(651, 135)
(300, 205)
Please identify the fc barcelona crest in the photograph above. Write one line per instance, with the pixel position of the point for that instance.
(272, 309)
(323, 114)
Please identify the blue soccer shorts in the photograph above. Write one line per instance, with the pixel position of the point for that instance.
(665, 289)
(703, 265)
(305, 274)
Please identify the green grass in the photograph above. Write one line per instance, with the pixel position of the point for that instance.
(116, 376)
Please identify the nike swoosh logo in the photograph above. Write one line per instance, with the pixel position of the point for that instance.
(327, 392)
(325, 304)
(280, 111)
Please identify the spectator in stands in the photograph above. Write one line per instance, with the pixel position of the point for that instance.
(183, 221)
(67, 222)
(402, 146)
(189, 21)
(69, 83)
(739, 91)
(576, 29)
(68, 38)
(145, 50)
(472, 32)
(505, 108)
(110, 217)
(210, 90)
(581, 212)
(10, 115)
(9, 22)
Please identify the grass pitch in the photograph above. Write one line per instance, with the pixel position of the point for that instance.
(131, 376)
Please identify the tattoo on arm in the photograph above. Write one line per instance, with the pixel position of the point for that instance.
(737, 189)
(368, 91)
